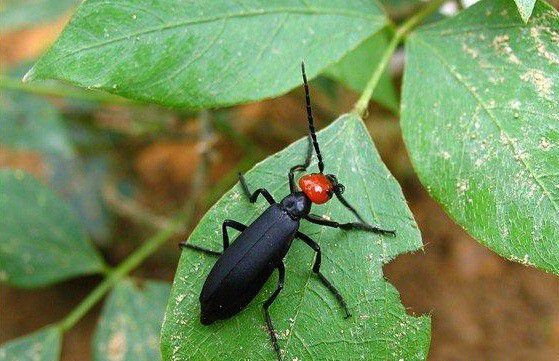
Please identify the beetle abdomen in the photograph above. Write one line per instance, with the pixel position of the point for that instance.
(243, 269)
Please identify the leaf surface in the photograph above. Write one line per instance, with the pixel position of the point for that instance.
(130, 322)
(307, 318)
(43, 345)
(41, 241)
(480, 120)
(205, 53)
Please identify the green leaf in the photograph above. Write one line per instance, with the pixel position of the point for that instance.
(525, 8)
(80, 181)
(306, 316)
(204, 54)
(29, 122)
(130, 322)
(41, 241)
(43, 345)
(16, 14)
(480, 119)
(355, 69)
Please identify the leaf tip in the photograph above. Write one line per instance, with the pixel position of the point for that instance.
(525, 10)
(30, 75)
(525, 16)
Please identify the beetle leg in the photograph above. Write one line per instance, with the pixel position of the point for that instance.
(199, 249)
(363, 225)
(233, 224)
(228, 223)
(253, 196)
(349, 225)
(266, 305)
(316, 269)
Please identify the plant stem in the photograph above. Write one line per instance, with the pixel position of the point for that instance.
(61, 91)
(134, 260)
(182, 221)
(363, 102)
(130, 208)
(400, 33)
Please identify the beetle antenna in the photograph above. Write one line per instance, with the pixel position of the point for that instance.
(311, 120)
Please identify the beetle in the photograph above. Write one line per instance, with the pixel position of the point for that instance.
(245, 265)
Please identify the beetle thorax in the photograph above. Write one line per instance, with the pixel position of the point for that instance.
(317, 187)
(297, 205)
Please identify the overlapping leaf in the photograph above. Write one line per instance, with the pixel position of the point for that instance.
(43, 345)
(205, 53)
(29, 122)
(307, 317)
(41, 241)
(480, 119)
(130, 323)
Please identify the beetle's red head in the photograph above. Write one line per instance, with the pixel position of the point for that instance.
(319, 187)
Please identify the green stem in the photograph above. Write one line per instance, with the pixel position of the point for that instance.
(363, 102)
(61, 91)
(400, 33)
(134, 260)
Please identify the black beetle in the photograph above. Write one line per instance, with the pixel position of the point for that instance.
(244, 266)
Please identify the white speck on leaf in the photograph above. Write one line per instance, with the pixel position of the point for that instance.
(462, 185)
(542, 83)
(545, 145)
(117, 346)
(472, 52)
(541, 48)
(502, 46)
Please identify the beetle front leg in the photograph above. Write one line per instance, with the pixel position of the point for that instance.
(316, 269)
(268, 303)
(253, 196)
(228, 223)
(233, 224)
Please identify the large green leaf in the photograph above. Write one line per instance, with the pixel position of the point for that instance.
(16, 14)
(204, 53)
(309, 322)
(43, 345)
(355, 69)
(525, 8)
(41, 241)
(480, 119)
(130, 322)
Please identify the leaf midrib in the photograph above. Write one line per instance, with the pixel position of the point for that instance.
(281, 10)
(493, 118)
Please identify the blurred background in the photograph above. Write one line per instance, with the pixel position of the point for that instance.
(126, 168)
